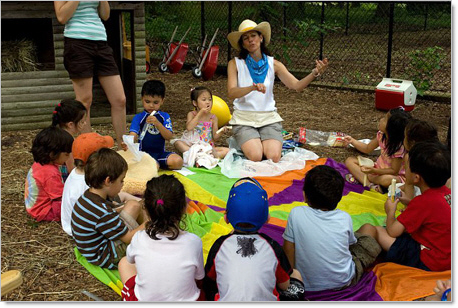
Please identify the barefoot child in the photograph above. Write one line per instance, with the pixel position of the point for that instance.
(70, 115)
(153, 127)
(389, 164)
(421, 235)
(163, 262)
(102, 230)
(44, 185)
(202, 123)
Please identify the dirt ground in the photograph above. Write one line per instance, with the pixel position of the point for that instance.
(44, 253)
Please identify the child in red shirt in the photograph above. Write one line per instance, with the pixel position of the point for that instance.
(421, 235)
(44, 185)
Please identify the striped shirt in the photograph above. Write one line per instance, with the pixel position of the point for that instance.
(86, 23)
(95, 227)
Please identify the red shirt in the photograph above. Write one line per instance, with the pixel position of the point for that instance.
(43, 186)
(428, 219)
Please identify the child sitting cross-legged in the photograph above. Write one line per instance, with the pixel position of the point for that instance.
(246, 265)
(101, 230)
(421, 235)
(319, 239)
(83, 146)
(163, 262)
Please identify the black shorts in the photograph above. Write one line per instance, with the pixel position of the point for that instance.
(86, 58)
(406, 251)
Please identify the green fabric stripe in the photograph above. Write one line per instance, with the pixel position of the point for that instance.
(212, 181)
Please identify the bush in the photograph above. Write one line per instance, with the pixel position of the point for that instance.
(423, 64)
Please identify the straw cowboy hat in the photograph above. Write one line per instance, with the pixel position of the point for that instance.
(249, 25)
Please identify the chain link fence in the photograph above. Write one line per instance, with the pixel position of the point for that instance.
(364, 41)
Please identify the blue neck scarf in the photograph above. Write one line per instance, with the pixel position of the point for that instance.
(258, 70)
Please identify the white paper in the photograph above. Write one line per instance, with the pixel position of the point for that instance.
(185, 171)
(133, 147)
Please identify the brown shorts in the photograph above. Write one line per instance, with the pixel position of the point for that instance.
(86, 58)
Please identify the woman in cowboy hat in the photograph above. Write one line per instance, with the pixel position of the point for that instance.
(256, 124)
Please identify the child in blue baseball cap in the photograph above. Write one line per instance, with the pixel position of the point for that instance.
(246, 265)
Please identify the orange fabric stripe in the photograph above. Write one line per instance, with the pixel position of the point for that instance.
(277, 221)
(277, 184)
(196, 207)
(403, 283)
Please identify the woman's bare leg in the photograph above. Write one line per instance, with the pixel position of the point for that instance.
(252, 149)
(272, 149)
(112, 85)
(83, 93)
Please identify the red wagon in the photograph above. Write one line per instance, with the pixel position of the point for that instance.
(208, 59)
(174, 54)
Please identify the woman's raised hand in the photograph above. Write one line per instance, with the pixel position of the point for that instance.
(259, 87)
(320, 67)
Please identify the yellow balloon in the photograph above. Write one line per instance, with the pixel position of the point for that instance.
(221, 110)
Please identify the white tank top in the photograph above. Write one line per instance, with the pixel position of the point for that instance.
(255, 100)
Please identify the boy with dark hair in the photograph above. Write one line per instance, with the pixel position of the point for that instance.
(421, 235)
(83, 146)
(246, 265)
(102, 231)
(152, 127)
(319, 239)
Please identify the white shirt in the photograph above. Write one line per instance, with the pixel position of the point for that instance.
(166, 269)
(74, 187)
(255, 100)
(322, 246)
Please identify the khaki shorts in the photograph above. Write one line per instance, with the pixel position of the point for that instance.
(244, 133)
(364, 252)
(120, 246)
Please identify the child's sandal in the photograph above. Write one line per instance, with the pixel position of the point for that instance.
(350, 178)
(376, 187)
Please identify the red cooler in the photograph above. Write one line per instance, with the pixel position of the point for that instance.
(393, 93)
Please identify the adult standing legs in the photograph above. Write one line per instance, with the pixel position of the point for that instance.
(112, 85)
(83, 93)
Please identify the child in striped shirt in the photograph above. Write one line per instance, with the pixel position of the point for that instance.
(100, 229)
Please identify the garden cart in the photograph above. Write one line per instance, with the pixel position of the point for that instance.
(174, 54)
(208, 59)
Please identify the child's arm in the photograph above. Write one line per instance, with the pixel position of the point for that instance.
(124, 196)
(361, 146)
(126, 238)
(135, 136)
(165, 133)
(215, 133)
(290, 249)
(396, 164)
(393, 227)
(192, 119)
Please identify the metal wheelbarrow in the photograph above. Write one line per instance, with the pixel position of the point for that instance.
(208, 59)
(174, 54)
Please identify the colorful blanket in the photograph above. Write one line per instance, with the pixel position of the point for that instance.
(207, 192)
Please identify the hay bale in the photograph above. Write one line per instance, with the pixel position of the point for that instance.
(19, 56)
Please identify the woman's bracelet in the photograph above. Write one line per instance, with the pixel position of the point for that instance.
(315, 74)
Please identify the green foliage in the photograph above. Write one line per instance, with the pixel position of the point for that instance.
(423, 64)
(313, 29)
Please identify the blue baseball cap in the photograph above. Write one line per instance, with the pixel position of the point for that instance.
(247, 203)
